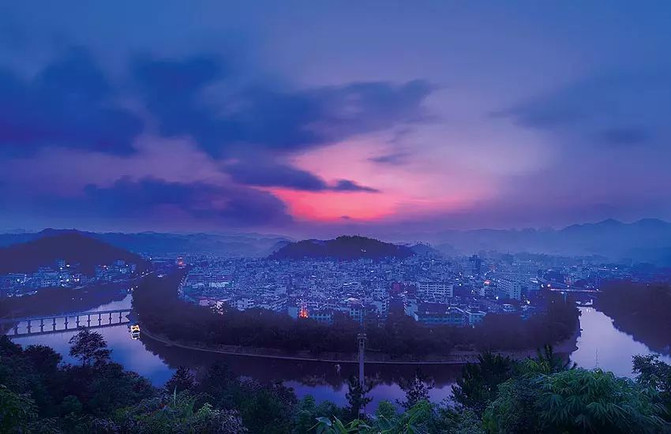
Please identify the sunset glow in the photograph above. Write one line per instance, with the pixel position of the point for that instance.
(334, 206)
(244, 123)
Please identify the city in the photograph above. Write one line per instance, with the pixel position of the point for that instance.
(300, 217)
(432, 290)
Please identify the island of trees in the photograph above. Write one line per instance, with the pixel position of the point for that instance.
(41, 394)
(162, 313)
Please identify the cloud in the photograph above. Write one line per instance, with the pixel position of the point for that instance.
(269, 174)
(347, 185)
(268, 117)
(275, 175)
(69, 103)
(394, 159)
(151, 198)
(601, 110)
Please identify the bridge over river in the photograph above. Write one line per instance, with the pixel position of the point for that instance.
(40, 325)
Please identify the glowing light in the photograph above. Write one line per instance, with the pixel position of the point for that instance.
(303, 312)
(334, 206)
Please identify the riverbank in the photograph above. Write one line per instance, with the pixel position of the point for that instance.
(460, 357)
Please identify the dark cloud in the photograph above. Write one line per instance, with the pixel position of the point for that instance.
(394, 159)
(347, 185)
(625, 136)
(602, 109)
(275, 175)
(150, 197)
(267, 117)
(269, 174)
(69, 103)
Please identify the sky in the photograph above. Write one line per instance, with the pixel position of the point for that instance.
(319, 118)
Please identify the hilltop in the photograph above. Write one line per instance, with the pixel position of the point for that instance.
(156, 243)
(71, 246)
(342, 248)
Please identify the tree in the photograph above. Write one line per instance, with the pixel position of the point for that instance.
(575, 401)
(181, 380)
(356, 396)
(478, 384)
(266, 408)
(652, 372)
(414, 420)
(547, 362)
(16, 411)
(416, 390)
(90, 348)
(181, 415)
(43, 358)
(386, 410)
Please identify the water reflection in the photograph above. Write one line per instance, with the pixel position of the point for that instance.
(325, 381)
(599, 344)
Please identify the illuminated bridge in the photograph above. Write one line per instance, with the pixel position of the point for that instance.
(40, 325)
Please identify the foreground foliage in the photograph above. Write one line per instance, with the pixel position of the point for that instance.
(38, 393)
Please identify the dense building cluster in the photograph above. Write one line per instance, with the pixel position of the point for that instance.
(63, 275)
(433, 290)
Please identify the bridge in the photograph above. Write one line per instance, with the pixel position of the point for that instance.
(41, 325)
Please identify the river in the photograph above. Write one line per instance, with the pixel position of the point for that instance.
(600, 344)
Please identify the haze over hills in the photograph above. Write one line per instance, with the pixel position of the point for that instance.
(342, 248)
(71, 246)
(647, 240)
(251, 245)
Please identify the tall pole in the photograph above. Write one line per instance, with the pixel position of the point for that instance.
(362, 348)
(362, 382)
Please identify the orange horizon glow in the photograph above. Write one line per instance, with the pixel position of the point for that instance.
(336, 206)
(417, 189)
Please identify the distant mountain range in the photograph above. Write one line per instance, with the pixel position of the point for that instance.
(647, 240)
(342, 248)
(71, 246)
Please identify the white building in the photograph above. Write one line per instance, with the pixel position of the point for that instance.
(243, 303)
(435, 290)
(475, 316)
(510, 288)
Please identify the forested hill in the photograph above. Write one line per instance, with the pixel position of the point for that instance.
(73, 247)
(342, 248)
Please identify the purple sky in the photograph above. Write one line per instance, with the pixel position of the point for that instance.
(316, 118)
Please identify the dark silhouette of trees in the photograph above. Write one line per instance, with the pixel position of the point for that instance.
(17, 411)
(416, 389)
(478, 385)
(89, 347)
(639, 309)
(181, 380)
(652, 372)
(38, 393)
(574, 401)
(357, 396)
